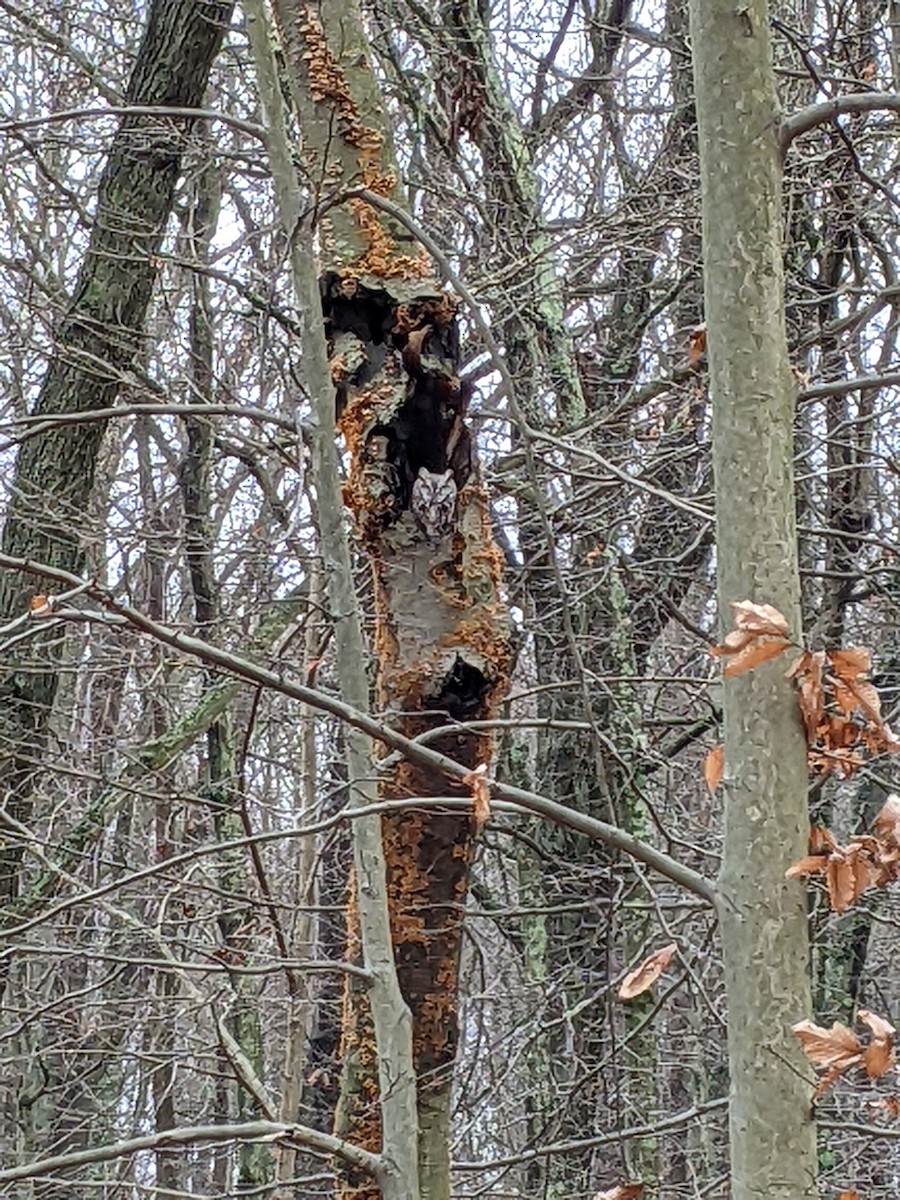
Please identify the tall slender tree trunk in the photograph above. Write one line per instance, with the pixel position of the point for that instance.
(763, 917)
(96, 342)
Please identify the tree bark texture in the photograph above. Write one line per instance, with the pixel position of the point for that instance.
(763, 916)
(421, 513)
(541, 354)
(96, 341)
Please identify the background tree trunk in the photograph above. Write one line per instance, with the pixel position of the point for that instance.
(96, 342)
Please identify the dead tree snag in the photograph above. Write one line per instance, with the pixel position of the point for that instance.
(441, 637)
(421, 512)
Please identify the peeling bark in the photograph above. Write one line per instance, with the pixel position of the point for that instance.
(422, 516)
(441, 645)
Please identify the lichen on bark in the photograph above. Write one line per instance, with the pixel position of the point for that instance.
(440, 633)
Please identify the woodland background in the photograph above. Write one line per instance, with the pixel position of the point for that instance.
(181, 865)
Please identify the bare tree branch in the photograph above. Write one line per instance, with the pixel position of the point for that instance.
(591, 827)
(829, 110)
(649, 1129)
(191, 1135)
(137, 110)
(35, 426)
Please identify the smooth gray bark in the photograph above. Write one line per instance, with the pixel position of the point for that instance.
(763, 917)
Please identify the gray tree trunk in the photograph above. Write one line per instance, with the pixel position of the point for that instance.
(763, 917)
(96, 342)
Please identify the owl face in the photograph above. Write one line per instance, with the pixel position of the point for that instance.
(433, 503)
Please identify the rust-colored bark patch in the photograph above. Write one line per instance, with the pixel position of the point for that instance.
(441, 635)
(328, 83)
(428, 857)
(358, 1108)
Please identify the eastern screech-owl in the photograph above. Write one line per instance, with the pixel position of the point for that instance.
(433, 503)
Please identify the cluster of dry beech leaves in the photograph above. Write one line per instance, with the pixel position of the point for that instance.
(840, 708)
(841, 713)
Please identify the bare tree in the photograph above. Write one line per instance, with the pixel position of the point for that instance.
(222, 661)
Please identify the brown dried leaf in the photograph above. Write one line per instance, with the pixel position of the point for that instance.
(759, 618)
(890, 1104)
(837, 1047)
(848, 870)
(852, 1194)
(476, 779)
(837, 733)
(844, 697)
(753, 655)
(849, 664)
(625, 1191)
(801, 664)
(850, 694)
(810, 865)
(40, 606)
(882, 1030)
(734, 641)
(878, 1058)
(821, 838)
(641, 978)
(825, 1082)
(887, 823)
(838, 744)
(867, 698)
(808, 669)
(886, 870)
(697, 344)
(847, 877)
(714, 767)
